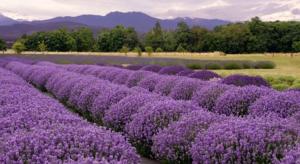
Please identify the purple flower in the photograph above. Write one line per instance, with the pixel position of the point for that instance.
(171, 70)
(136, 77)
(151, 68)
(150, 82)
(173, 143)
(166, 84)
(240, 140)
(284, 104)
(185, 72)
(90, 93)
(153, 117)
(236, 101)
(244, 80)
(204, 75)
(134, 67)
(122, 77)
(292, 156)
(206, 96)
(185, 88)
(78, 88)
(64, 143)
(120, 114)
(105, 100)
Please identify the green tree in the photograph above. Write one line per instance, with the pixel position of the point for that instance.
(3, 46)
(19, 47)
(183, 36)
(138, 50)
(180, 49)
(42, 46)
(84, 39)
(149, 50)
(296, 46)
(124, 50)
(114, 39)
(61, 40)
(159, 50)
(155, 38)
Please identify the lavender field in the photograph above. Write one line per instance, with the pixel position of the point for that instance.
(55, 113)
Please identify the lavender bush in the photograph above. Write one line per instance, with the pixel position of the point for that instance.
(284, 104)
(244, 80)
(153, 117)
(150, 82)
(244, 141)
(206, 96)
(120, 114)
(236, 101)
(204, 75)
(136, 77)
(173, 143)
(151, 68)
(171, 70)
(184, 89)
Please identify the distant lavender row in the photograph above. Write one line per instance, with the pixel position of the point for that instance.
(37, 129)
(179, 131)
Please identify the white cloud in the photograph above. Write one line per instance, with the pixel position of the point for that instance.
(222, 9)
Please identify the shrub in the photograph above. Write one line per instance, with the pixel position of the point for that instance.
(264, 65)
(59, 145)
(244, 141)
(232, 66)
(105, 100)
(134, 67)
(90, 93)
(204, 75)
(150, 82)
(244, 80)
(236, 101)
(171, 70)
(206, 96)
(138, 50)
(212, 66)
(280, 87)
(159, 50)
(292, 156)
(77, 89)
(120, 114)
(122, 77)
(151, 68)
(194, 66)
(19, 47)
(284, 104)
(165, 85)
(185, 89)
(136, 77)
(149, 50)
(173, 143)
(185, 73)
(151, 118)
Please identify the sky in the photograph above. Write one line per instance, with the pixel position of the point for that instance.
(233, 10)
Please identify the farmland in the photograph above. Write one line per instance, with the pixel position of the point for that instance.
(169, 114)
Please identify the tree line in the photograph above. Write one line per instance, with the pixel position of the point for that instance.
(254, 36)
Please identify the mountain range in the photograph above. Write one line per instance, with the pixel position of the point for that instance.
(11, 29)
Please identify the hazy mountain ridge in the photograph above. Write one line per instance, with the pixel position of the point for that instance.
(11, 29)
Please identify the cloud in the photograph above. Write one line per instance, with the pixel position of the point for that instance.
(234, 10)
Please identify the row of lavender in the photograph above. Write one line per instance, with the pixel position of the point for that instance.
(178, 130)
(213, 95)
(37, 129)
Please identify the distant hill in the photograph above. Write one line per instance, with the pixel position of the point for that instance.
(6, 20)
(11, 29)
